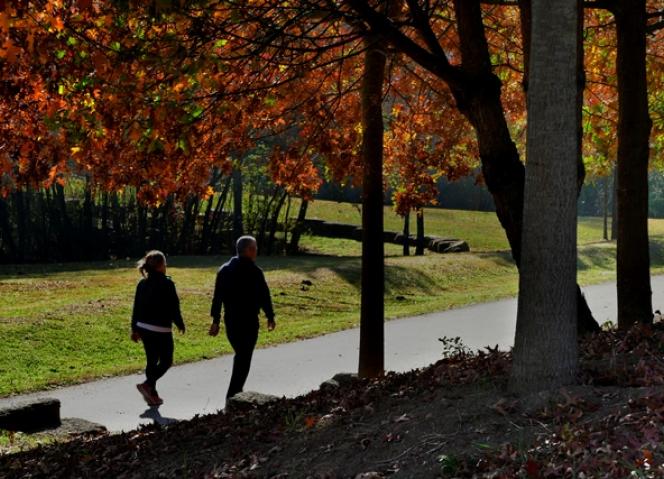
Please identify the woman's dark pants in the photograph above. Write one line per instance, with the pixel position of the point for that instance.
(159, 355)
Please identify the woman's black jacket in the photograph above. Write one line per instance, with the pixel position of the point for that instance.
(157, 303)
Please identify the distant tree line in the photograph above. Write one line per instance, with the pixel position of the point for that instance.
(596, 198)
(75, 222)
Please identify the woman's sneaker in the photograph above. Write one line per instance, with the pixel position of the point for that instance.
(157, 401)
(148, 394)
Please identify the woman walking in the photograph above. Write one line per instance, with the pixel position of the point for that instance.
(156, 309)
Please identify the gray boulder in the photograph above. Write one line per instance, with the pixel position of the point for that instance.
(329, 384)
(250, 399)
(345, 378)
(446, 245)
(457, 247)
(74, 426)
(338, 380)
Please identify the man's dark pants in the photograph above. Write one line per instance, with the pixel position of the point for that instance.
(243, 339)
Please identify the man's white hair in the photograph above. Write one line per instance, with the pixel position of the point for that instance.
(244, 242)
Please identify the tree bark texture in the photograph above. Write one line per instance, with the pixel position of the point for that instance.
(545, 348)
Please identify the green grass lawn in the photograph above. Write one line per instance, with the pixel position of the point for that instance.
(69, 323)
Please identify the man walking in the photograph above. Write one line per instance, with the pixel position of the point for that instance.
(242, 291)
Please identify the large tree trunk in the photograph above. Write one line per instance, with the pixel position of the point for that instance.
(633, 258)
(545, 348)
(373, 268)
(480, 102)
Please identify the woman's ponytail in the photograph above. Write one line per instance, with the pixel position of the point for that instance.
(151, 262)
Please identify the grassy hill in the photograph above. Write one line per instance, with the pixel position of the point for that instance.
(480, 228)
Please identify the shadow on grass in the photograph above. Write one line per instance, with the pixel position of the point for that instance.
(500, 258)
(301, 263)
(398, 279)
(597, 255)
(603, 255)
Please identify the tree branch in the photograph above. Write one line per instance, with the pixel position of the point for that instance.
(598, 4)
(422, 24)
(654, 27)
(384, 27)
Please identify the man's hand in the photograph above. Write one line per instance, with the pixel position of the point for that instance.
(271, 324)
(135, 336)
(214, 329)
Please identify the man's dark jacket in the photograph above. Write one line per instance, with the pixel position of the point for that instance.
(242, 290)
(157, 303)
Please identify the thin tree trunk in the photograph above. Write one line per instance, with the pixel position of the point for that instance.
(207, 215)
(29, 231)
(219, 210)
(294, 245)
(264, 218)
(45, 227)
(406, 234)
(274, 223)
(64, 235)
(20, 224)
(6, 230)
(86, 221)
(142, 227)
(115, 216)
(205, 230)
(238, 229)
(419, 240)
(614, 205)
(188, 225)
(104, 224)
(372, 332)
(605, 208)
(545, 348)
(287, 221)
(633, 257)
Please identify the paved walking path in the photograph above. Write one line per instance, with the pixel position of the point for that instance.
(296, 368)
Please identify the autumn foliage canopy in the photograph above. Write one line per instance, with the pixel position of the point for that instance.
(157, 95)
